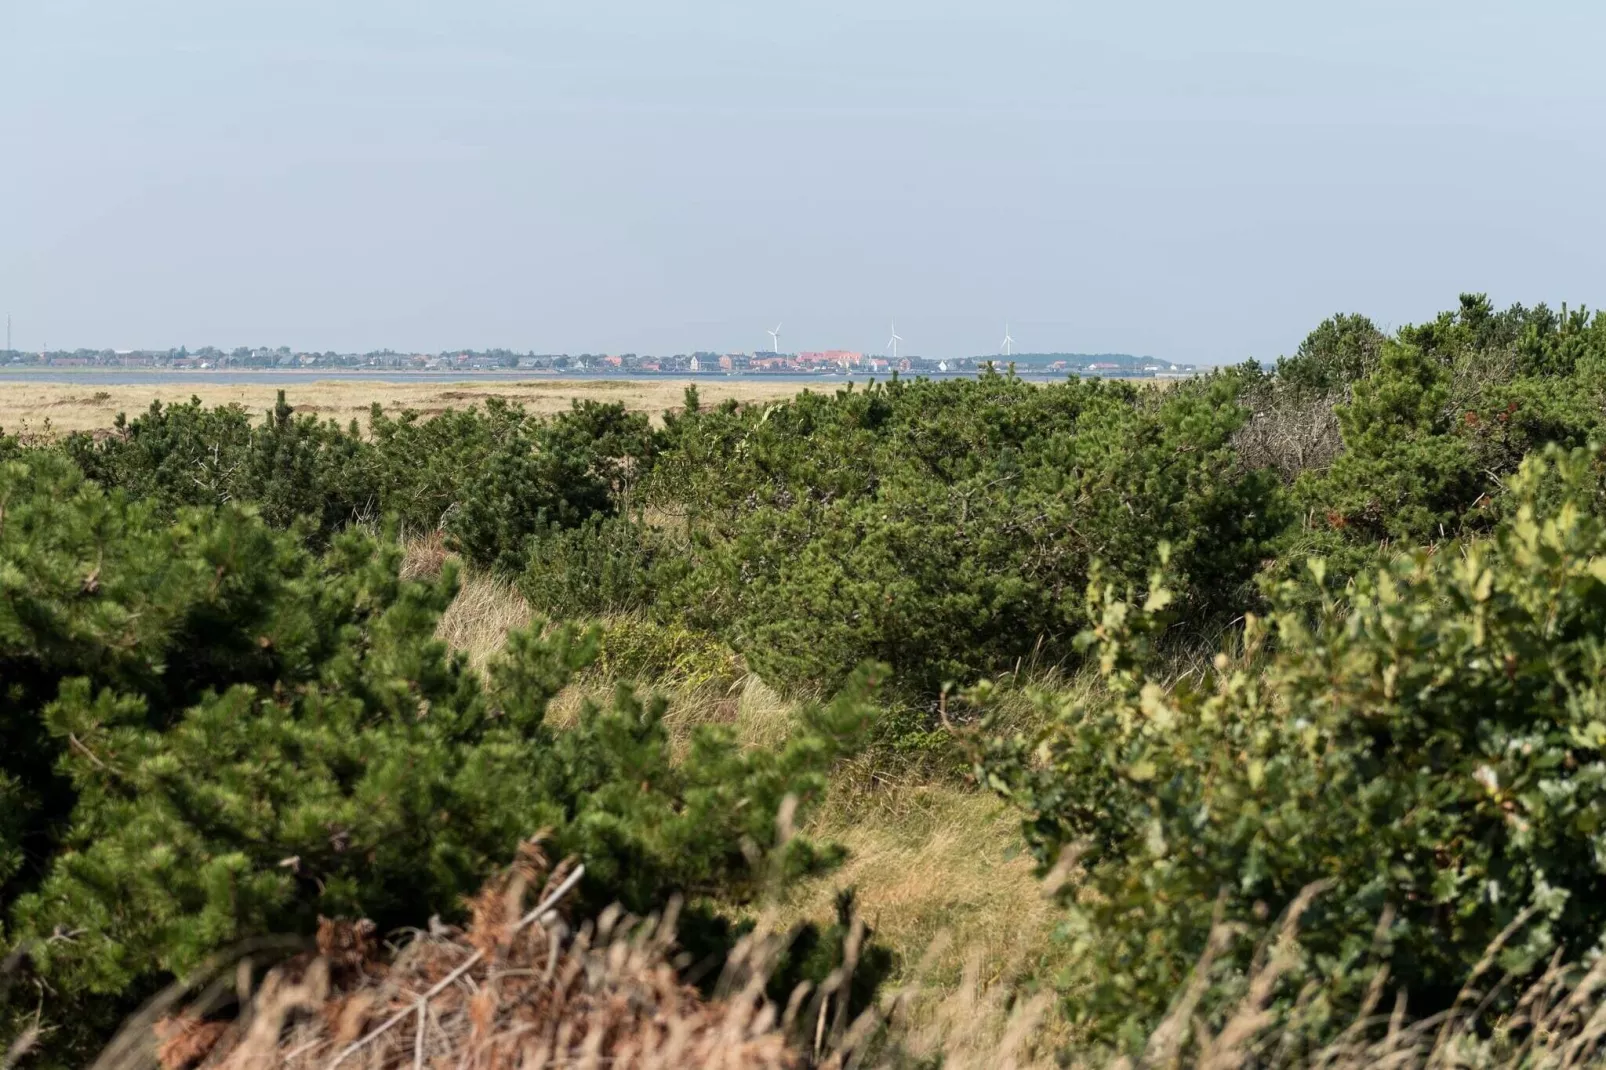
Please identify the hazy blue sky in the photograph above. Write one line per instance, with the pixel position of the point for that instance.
(1198, 181)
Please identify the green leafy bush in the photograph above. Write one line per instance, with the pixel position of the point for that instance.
(667, 655)
(1434, 747)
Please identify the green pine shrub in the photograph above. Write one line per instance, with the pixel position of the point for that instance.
(1433, 432)
(290, 467)
(604, 565)
(424, 464)
(1433, 746)
(546, 474)
(1342, 350)
(491, 478)
(214, 732)
(1406, 475)
(938, 527)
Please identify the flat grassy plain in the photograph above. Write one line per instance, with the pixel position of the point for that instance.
(43, 408)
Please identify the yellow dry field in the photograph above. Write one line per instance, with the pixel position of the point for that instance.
(51, 408)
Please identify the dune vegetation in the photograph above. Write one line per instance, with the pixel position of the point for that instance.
(1258, 721)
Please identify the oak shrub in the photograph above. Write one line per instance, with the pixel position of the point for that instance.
(1429, 743)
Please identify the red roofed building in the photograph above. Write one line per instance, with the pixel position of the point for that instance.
(842, 357)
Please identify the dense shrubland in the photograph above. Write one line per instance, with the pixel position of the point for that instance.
(226, 712)
(945, 528)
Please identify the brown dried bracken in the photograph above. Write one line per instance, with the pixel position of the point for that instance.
(182, 1040)
(351, 947)
(512, 991)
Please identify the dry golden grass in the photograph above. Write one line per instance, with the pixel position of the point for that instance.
(485, 610)
(479, 618)
(41, 408)
(764, 718)
(939, 875)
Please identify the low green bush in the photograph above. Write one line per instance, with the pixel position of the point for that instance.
(1435, 420)
(1406, 475)
(665, 655)
(292, 468)
(542, 475)
(491, 478)
(1342, 350)
(1432, 747)
(605, 565)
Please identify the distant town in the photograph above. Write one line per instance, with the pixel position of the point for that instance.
(823, 363)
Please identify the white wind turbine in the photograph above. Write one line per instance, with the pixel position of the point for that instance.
(775, 339)
(892, 343)
(1008, 342)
